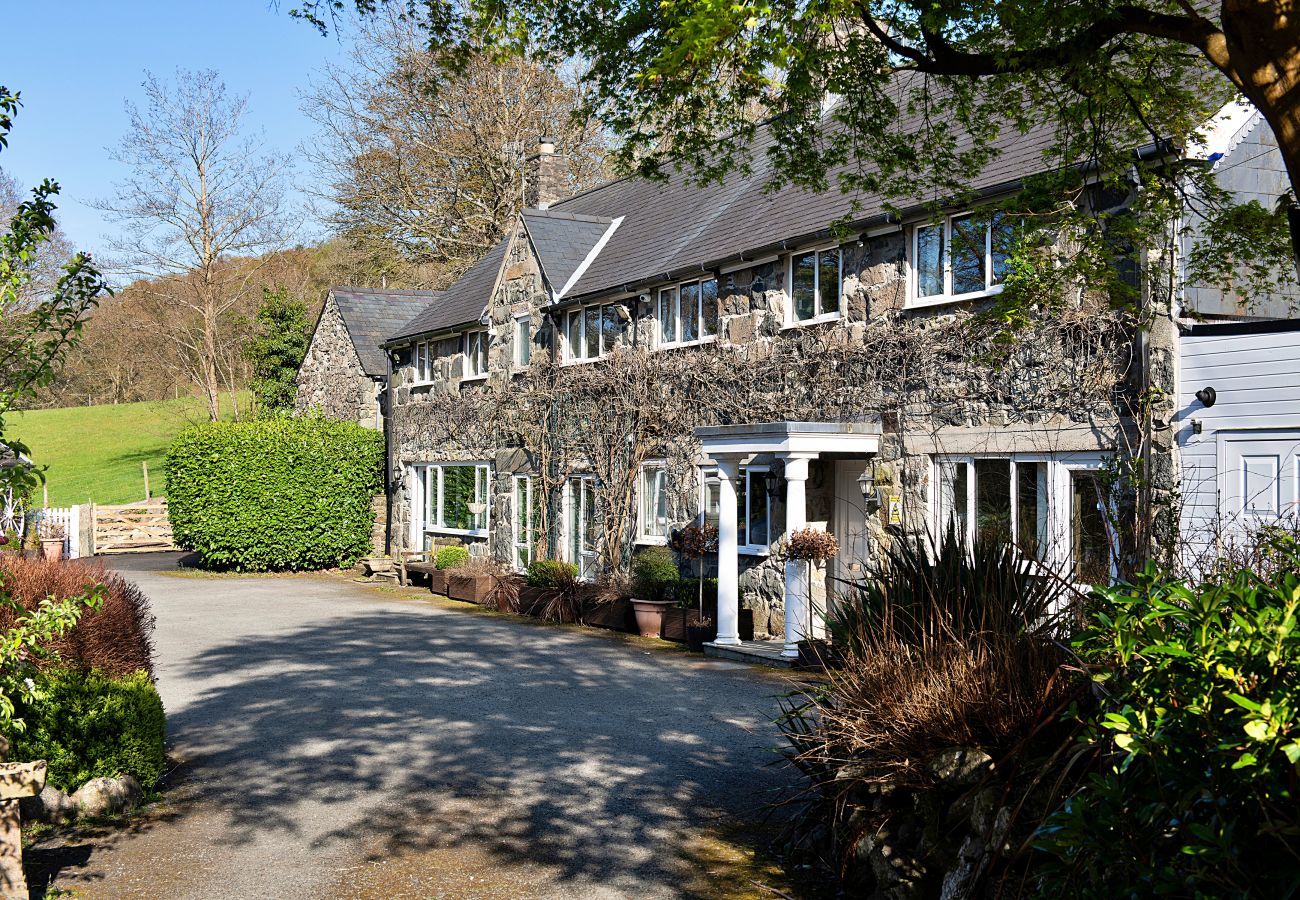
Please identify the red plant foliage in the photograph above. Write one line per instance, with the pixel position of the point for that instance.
(116, 639)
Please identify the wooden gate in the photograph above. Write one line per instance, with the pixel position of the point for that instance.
(133, 527)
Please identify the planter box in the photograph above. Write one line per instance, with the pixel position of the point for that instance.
(532, 599)
(746, 624)
(613, 615)
(674, 624)
(438, 581)
(470, 588)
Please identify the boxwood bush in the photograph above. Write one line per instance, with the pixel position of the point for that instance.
(549, 573)
(86, 725)
(274, 494)
(450, 557)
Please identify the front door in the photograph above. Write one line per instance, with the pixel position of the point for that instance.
(1259, 478)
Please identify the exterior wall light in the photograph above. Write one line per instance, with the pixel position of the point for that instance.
(870, 487)
(1207, 396)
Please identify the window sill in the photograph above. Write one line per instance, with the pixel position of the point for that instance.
(818, 320)
(651, 541)
(458, 532)
(470, 379)
(753, 550)
(676, 345)
(582, 361)
(945, 299)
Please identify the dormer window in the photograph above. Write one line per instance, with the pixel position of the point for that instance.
(474, 345)
(960, 258)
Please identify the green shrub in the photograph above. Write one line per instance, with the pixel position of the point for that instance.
(87, 725)
(450, 557)
(549, 573)
(274, 494)
(688, 593)
(1197, 744)
(654, 574)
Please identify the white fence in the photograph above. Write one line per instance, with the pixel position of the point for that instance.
(66, 517)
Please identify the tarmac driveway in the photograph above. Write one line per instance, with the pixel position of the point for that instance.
(338, 740)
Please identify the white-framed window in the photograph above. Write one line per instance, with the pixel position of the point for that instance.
(580, 524)
(816, 285)
(592, 331)
(422, 359)
(1050, 506)
(474, 344)
(688, 313)
(652, 520)
(961, 257)
(524, 520)
(753, 508)
(523, 339)
(454, 497)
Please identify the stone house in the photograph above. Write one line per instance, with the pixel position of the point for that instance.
(648, 354)
(345, 371)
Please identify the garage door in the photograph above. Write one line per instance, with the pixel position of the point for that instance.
(1260, 479)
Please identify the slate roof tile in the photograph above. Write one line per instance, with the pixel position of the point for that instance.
(370, 315)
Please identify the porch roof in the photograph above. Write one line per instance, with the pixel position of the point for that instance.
(810, 438)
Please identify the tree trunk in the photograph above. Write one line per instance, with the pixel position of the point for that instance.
(211, 382)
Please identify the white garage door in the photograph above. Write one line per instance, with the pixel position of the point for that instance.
(1259, 482)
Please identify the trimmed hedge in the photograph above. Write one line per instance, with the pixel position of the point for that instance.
(549, 573)
(274, 494)
(450, 557)
(89, 725)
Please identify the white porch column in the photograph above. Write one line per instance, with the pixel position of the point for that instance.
(728, 553)
(797, 613)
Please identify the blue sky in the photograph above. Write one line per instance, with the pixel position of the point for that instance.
(77, 62)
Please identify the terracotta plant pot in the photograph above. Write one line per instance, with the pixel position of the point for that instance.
(650, 616)
(470, 588)
(52, 548)
(438, 581)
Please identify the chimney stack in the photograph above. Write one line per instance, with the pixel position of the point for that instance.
(544, 180)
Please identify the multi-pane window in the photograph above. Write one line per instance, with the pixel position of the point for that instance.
(688, 313)
(592, 331)
(524, 518)
(474, 345)
(580, 523)
(455, 496)
(816, 283)
(523, 339)
(753, 508)
(653, 518)
(423, 361)
(962, 256)
(1050, 510)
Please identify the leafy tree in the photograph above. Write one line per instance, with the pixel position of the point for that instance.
(276, 350)
(905, 97)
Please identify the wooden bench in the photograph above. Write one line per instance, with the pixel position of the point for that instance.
(415, 562)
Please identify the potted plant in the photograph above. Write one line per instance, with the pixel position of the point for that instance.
(471, 580)
(696, 542)
(812, 545)
(654, 576)
(51, 537)
(445, 559)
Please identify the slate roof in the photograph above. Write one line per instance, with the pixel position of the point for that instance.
(562, 242)
(371, 315)
(463, 302)
(674, 227)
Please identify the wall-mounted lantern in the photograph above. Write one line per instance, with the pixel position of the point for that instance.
(1207, 396)
(870, 486)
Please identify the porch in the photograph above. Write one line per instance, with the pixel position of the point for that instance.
(842, 448)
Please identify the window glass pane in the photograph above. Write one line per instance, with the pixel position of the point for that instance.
(993, 499)
(430, 477)
(479, 508)
(1031, 508)
(953, 494)
(756, 526)
(523, 341)
(803, 286)
(742, 517)
(1001, 238)
(591, 329)
(1089, 539)
(709, 308)
(611, 326)
(668, 316)
(690, 311)
(588, 515)
(573, 527)
(575, 335)
(458, 493)
(712, 501)
(929, 261)
(828, 282)
(968, 238)
(654, 503)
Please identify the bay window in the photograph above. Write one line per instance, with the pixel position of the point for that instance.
(816, 284)
(753, 508)
(1049, 506)
(593, 331)
(652, 526)
(962, 256)
(688, 313)
(454, 497)
(474, 345)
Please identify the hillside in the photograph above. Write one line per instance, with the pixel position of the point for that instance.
(95, 452)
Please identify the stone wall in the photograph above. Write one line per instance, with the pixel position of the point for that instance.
(331, 380)
(935, 379)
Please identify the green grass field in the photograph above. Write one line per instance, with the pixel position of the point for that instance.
(95, 452)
